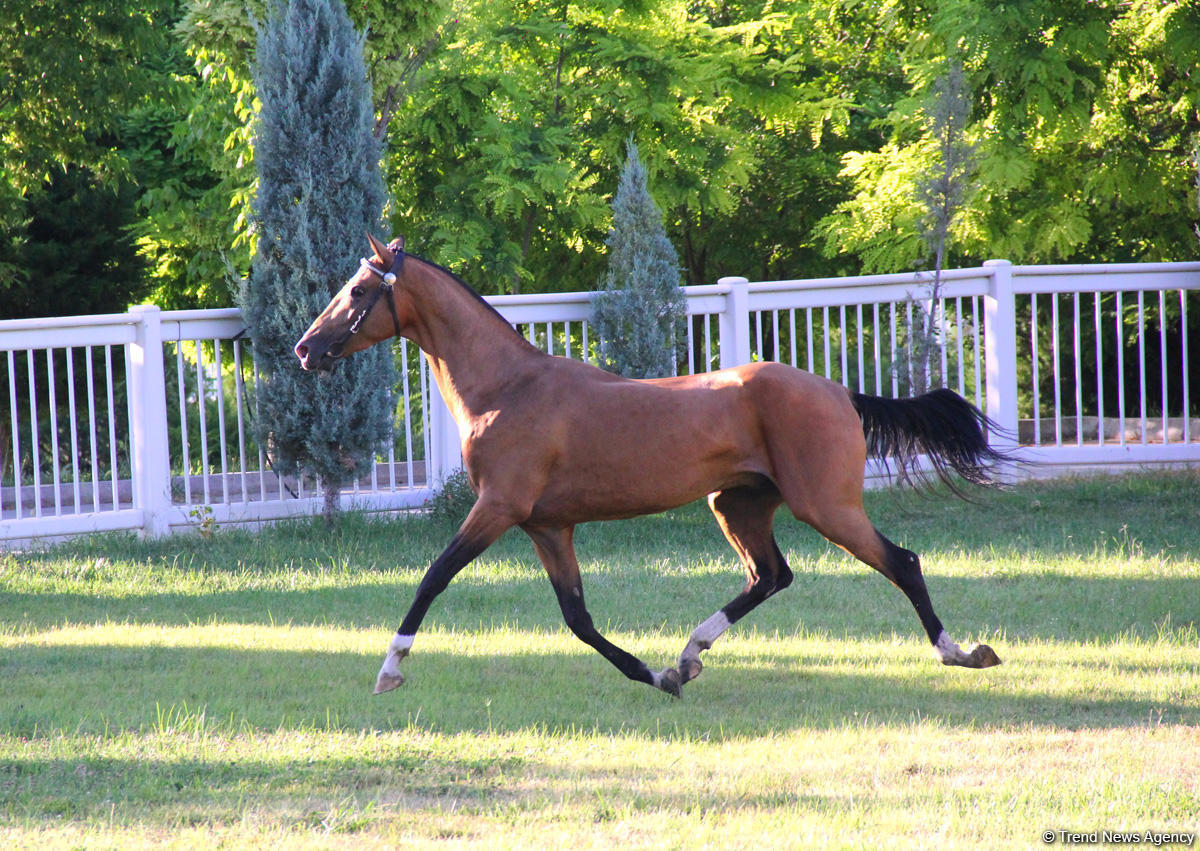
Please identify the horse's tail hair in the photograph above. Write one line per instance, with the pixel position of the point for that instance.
(941, 425)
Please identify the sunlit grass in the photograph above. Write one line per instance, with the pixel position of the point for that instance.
(218, 691)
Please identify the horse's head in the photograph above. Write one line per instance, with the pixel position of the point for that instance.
(362, 313)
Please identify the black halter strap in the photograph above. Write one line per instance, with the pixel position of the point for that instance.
(386, 280)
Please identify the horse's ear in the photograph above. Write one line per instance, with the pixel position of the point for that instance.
(396, 244)
(381, 250)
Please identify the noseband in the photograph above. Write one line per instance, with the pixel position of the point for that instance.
(386, 280)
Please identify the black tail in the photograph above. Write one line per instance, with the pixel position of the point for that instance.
(940, 425)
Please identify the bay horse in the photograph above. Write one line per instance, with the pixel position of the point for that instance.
(549, 442)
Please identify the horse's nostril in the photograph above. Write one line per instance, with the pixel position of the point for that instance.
(301, 351)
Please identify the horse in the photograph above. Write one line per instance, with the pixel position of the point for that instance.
(550, 442)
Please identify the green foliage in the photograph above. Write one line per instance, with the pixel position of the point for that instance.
(944, 188)
(73, 254)
(319, 190)
(197, 209)
(783, 139)
(453, 499)
(820, 76)
(197, 161)
(504, 157)
(1196, 161)
(640, 310)
(1084, 119)
(69, 72)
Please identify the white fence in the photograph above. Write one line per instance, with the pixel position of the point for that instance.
(142, 420)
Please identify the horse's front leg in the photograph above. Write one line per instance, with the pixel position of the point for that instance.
(556, 549)
(482, 527)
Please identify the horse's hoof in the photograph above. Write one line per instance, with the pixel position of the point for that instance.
(387, 682)
(689, 669)
(668, 680)
(983, 656)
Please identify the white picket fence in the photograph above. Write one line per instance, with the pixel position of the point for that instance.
(141, 420)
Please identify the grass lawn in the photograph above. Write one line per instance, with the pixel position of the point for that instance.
(217, 691)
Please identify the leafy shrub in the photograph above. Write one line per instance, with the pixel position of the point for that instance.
(453, 500)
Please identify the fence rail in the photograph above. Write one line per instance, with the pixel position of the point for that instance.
(142, 420)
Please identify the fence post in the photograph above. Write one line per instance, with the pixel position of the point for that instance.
(148, 423)
(733, 323)
(445, 446)
(1000, 353)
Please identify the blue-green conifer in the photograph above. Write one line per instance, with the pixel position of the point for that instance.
(639, 314)
(319, 192)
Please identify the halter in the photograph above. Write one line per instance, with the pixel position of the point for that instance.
(386, 279)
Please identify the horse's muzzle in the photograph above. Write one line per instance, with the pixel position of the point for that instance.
(316, 357)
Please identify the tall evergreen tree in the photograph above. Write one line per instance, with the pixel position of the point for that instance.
(641, 308)
(319, 190)
(941, 189)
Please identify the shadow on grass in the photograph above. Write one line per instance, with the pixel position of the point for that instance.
(305, 792)
(855, 603)
(107, 689)
(341, 797)
(1040, 521)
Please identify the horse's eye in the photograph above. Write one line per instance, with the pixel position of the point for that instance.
(356, 292)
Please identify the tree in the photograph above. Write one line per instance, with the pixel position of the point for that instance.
(508, 155)
(1084, 114)
(640, 310)
(783, 139)
(68, 71)
(821, 77)
(941, 191)
(196, 217)
(1196, 162)
(195, 160)
(319, 190)
(69, 74)
(74, 254)
(505, 123)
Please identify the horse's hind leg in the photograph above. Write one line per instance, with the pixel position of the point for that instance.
(556, 549)
(745, 515)
(849, 528)
(903, 568)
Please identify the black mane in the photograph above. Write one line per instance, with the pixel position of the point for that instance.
(470, 290)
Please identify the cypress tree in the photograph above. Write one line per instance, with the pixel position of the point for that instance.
(942, 190)
(639, 311)
(319, 191)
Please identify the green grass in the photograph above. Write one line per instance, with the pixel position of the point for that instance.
(216, 691)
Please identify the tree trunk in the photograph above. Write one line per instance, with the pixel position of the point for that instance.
(332, 505)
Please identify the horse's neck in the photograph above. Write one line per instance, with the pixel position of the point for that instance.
(472, 351)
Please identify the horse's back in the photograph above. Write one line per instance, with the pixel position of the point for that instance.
(619, 447)
(735, 406)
